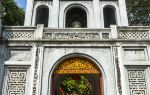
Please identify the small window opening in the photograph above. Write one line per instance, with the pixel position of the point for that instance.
(42, 15)
(109, 17)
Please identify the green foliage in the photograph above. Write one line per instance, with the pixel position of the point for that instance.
(69, 85)
(1, 8)
(14, 15)
(81, 86)
(138, 12)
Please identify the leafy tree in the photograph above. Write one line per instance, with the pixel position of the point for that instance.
(79, 87)
(14, 14)
(1, 9)
(138, 12)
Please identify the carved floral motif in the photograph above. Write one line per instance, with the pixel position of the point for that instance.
(77, 66)
(72, 35)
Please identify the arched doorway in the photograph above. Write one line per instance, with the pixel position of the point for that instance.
(42, 15)
(76, 17)
(109, 16)
(77, 76)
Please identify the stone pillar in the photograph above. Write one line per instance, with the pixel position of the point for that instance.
(114, 31)
(117, 62)
(120, 69)
(36, 68)
(123, 13)
(55, 14)
(29, 13)
(39, 31)
(96, 6)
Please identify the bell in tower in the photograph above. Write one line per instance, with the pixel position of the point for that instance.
(76, 18)
(76, 13)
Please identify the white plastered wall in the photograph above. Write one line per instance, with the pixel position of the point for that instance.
(19, 59)
(134, 64)
(101, 55)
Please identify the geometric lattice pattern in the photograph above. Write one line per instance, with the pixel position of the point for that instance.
(137, 82)
(19, 34)
(134, 35)
(16, 81)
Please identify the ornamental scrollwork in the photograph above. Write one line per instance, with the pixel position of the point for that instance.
(36, 66)
(77, 66)
(69, 36)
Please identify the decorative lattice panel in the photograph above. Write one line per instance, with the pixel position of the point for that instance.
(19, 34)
(16, 81)
(137, 82)
(134, 35)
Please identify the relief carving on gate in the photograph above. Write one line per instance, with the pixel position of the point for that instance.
(16, 81)
(137, 83)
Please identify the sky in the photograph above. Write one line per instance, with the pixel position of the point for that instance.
(21, 4)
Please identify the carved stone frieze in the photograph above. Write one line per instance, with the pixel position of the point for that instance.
(76, 35)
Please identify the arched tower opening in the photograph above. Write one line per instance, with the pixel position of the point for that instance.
(109, 16)
(42, 15)
(76, 17)
(77, 76)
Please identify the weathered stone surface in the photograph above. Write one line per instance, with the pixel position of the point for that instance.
(29, 54)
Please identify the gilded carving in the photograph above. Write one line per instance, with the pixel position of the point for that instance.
(77, 66)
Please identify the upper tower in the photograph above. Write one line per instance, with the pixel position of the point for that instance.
(76, 13)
